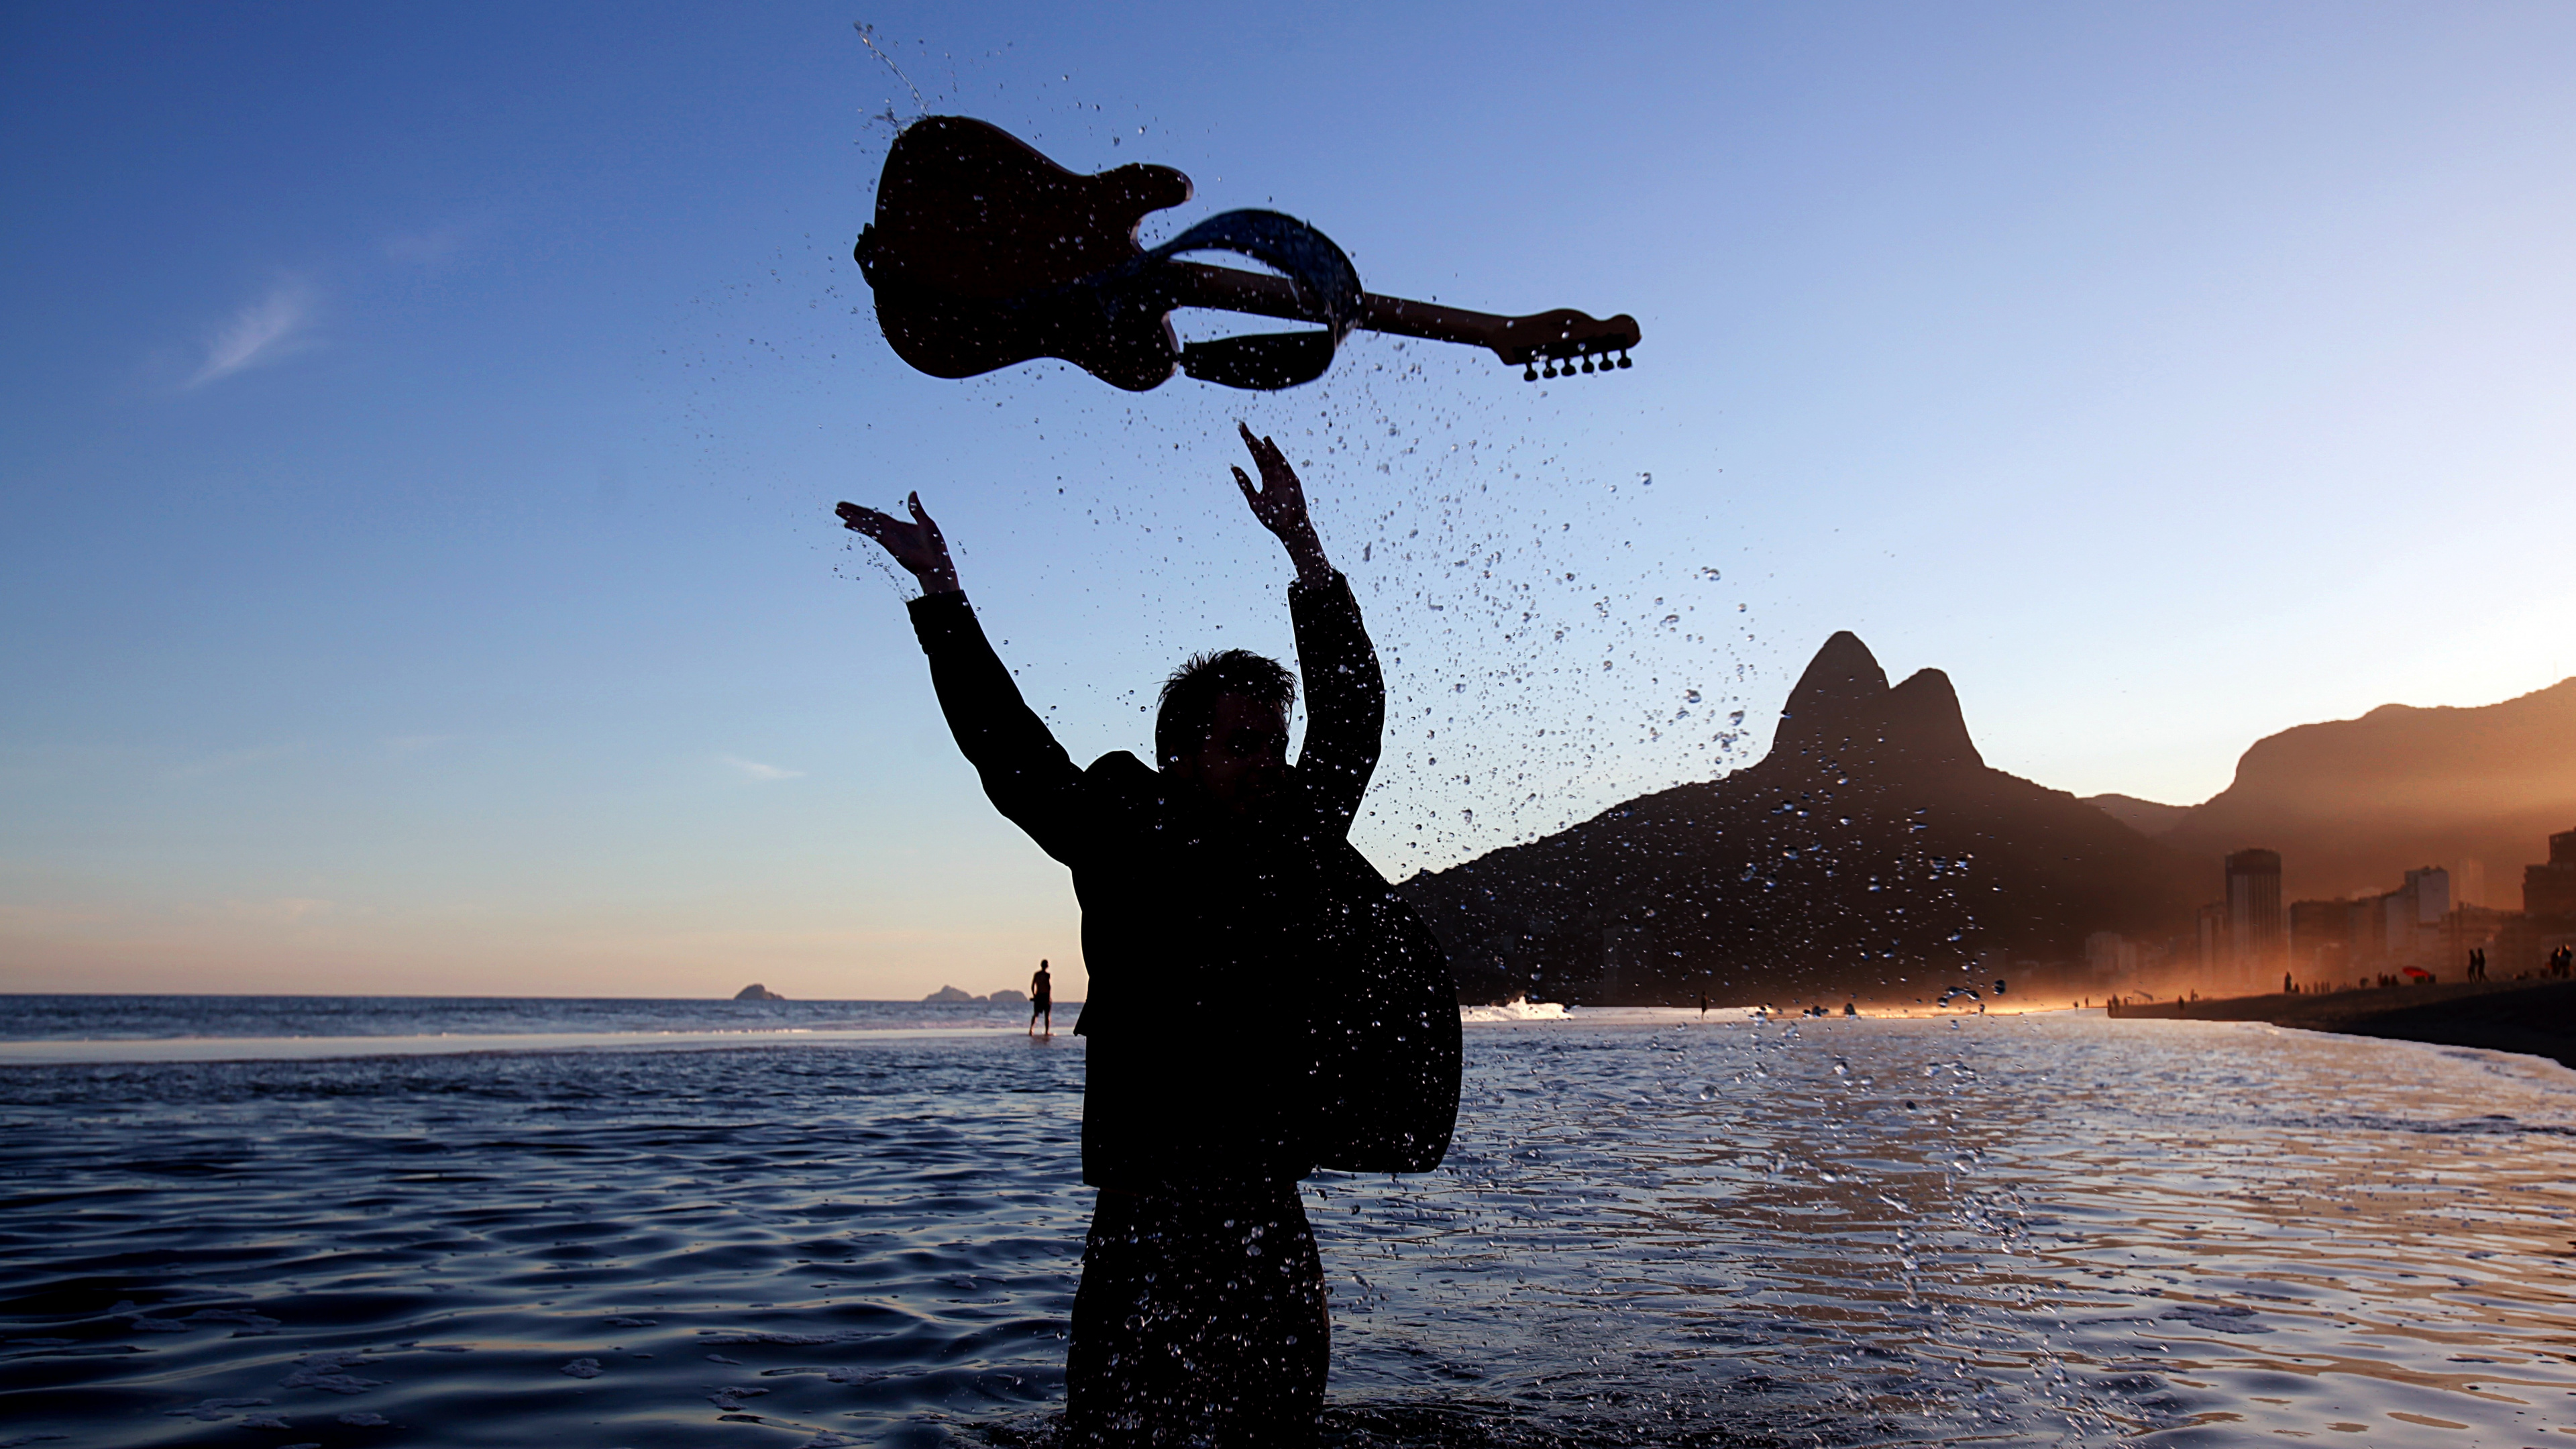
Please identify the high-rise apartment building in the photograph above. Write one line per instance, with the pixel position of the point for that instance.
(2255, 941)
(2550, 890)
(2327, 937)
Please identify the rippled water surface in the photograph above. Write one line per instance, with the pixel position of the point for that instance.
(26, 1018)
(2039, 1229)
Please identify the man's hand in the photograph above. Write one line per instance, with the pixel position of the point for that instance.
(915, 545)
(1280, 504)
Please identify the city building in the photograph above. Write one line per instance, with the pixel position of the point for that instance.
(2550, 890)
(2327, 937)
(2112, 956)
(2255, 943)
(2212, 939)
(2432, 923)
(2481, 928)
(2412, 915)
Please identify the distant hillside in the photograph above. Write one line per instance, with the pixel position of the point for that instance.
(2352, 804)
(1872, 852)
(2143, 816)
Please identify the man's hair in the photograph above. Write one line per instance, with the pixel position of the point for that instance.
(1189, 697)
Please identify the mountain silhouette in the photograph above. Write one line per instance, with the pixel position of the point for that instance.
(1871, 852)
(2353, 804)
(2147, 817)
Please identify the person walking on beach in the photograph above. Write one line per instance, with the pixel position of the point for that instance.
(1209, 884)
(1042, 1000)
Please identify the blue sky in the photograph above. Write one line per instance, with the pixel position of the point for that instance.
(420, 430)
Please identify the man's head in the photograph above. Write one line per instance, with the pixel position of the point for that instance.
(1223, 726)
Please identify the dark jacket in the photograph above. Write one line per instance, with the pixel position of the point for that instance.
(1210, 940)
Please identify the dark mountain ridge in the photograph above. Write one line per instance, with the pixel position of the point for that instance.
(1872, 852)
(2147, 817)
(2353, 804)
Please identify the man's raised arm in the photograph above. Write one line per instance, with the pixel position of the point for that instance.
(1345, 695)
(1026, 774)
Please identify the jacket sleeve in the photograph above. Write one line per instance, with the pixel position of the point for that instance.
(1026, 774)
(1345, 697)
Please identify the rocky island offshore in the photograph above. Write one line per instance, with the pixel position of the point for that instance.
(952, 996)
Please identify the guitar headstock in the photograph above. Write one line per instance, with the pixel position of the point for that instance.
(1564, 338)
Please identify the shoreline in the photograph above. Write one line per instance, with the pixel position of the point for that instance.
(2534, 1018)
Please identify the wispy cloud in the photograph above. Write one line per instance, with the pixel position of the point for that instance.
(755, 770)
(268, 329)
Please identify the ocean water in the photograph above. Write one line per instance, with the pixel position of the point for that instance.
(277, 1018)
(76, 1029)
(2040, 1229)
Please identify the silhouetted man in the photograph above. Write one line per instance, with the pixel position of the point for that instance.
(1042, 999)
(1216, 891)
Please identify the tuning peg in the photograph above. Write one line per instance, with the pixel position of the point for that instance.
(1623, 358)
(1551, 368)
(1587, 364)
(1529, 372)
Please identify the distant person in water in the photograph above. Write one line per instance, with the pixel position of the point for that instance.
(1208, 886)
(1042, 999)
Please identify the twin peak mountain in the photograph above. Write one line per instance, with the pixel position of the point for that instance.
(1872, 852)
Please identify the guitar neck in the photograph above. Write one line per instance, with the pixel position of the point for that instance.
(1519, 341)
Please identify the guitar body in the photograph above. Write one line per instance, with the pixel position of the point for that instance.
(978, 241)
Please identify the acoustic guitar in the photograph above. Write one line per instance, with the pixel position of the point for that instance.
(984, 254)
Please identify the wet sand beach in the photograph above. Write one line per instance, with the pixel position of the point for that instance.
(2535, 1018)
